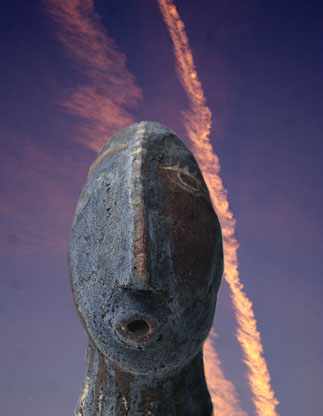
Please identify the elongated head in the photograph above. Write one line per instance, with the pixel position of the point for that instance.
(145, 253)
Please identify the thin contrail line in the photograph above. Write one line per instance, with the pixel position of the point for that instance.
(223, 393)
(198, 126)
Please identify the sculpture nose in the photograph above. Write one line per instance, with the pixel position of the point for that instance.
(139, 329)
(140, 275)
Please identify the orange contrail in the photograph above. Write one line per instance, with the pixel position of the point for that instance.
(223, 393)
(198, 125)
(111, 90)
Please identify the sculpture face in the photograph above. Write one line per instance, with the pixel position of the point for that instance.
(146, 252)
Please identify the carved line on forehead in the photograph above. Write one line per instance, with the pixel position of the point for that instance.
(103, 156)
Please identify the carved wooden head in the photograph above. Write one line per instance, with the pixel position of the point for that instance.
(145, 253)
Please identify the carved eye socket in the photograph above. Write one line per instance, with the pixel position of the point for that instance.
(186, 180)
(191, 182)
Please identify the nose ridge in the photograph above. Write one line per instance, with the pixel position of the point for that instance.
(139, 273)
(140, 277)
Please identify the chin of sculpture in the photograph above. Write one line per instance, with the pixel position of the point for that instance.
(146, 262)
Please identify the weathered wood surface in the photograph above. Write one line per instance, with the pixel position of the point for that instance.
(146, 262)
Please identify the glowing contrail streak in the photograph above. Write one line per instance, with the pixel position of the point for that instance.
(111, 89)
(223, 393)
(198, 125)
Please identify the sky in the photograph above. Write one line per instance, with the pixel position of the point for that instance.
(68, 85)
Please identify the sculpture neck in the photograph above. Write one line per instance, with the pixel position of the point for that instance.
(108, 391)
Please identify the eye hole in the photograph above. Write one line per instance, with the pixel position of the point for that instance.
(191, 182)
(186, 180)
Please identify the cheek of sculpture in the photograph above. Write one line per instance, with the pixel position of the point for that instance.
(99, 246)
(195, 243)
(195, 230)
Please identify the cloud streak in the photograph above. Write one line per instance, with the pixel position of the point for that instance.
(223, 393)
(197, 122)
(104, 101)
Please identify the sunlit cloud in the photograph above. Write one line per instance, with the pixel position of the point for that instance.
(223, 393)
(103, 102)
(197, 122)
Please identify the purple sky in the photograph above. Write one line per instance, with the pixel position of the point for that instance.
(260, 68)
